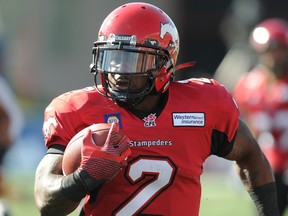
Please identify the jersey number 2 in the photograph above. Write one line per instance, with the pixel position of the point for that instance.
(161, 171)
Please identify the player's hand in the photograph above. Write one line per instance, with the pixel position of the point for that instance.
(99, 164)
(102, 163)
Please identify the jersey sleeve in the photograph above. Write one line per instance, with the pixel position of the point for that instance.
(59, 122)
(226, 122)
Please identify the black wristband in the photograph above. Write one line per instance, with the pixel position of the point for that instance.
(73, 188)
(265, 199)
(89, 183)
(76, 185)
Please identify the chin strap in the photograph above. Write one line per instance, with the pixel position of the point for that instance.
(185, 65)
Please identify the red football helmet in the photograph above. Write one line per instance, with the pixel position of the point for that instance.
(135, 39)
(269, 34)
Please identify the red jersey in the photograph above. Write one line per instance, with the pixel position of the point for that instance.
(265, 107)
(163, 172)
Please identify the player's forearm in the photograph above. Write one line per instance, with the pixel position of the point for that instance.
(254, 171)
(252, 165)
(49, 198)
(48, 194)
(259, 182)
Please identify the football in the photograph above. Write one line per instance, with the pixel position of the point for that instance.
(72, 153)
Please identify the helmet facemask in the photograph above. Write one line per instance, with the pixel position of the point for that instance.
(127, 71)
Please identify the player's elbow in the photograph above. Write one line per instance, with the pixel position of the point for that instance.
(40, 202)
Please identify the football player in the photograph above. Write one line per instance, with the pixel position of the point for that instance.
(173, 127)
(262, 98)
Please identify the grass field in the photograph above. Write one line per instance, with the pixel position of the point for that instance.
(219, 198)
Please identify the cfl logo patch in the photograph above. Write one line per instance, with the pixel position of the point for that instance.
(150, 120)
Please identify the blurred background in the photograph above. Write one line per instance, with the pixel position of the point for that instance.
(46, 50)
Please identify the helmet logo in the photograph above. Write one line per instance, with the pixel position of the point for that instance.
(168, 28)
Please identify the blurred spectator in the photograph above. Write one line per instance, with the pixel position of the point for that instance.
(262, 96)
(11, 119)
(240, 18)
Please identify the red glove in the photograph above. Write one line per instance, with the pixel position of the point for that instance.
(99, 164)
(104, 162)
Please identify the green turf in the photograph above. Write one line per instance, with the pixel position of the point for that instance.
(219, 198)
(224, 195)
